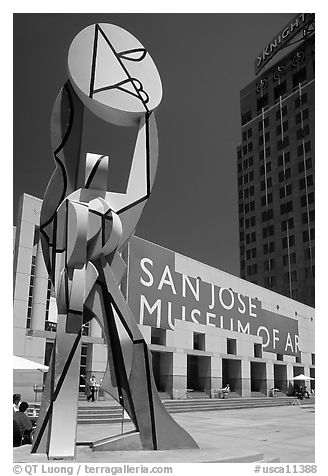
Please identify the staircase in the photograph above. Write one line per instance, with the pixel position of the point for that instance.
(111, 412)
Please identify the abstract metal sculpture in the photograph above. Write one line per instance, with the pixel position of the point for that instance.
(84, 227)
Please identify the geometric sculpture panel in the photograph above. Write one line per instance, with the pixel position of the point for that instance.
(83, 229)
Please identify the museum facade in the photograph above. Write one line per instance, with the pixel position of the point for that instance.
(204, 327)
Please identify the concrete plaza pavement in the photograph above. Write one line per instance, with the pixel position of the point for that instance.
(284, 432)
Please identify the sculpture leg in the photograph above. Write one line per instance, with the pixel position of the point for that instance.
(158, 430)
(56, 428)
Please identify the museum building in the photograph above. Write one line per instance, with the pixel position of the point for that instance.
(205, 328)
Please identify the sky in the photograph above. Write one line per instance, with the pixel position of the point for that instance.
(204, 60)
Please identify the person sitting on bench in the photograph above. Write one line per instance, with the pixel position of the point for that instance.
(225, 391)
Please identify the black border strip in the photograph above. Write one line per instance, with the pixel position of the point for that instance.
(93, 171)
(150, 396)
(122, 54)
(94, 60)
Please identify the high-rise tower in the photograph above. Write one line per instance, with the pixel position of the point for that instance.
(276, 165)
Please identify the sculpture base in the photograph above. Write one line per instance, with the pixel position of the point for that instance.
(85, 454)
(125, 442)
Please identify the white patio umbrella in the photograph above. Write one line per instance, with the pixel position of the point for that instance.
(302, 377)
(19, 363)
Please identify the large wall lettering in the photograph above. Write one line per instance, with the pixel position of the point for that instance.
(159, 296)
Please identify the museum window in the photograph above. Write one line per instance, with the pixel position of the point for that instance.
(198, 341)
(280, 357)
(267, 215)
(298, 359)
(288, 241)
(287, 224)
(251, 253)
(283, 159)
(280, 90)
(265, 168)
(292, 259)
(309, 253)
(266, 199)
(30, 293)
(263, 123)
(308, 165)
(299, 77)
(308, 235)
(268, 183)
(305, 199)
(283, 143)
(269, 264)
(251, 269)
(281, 112)
(285, 174)
(312, 359)
(268, 247)
(268, 231)
(48, 352)
(293, 276)
(258, 351)
(308, 217)
(309, 272)
(269, 281)
(231, 346)
(239, 155)
(301, 100)
(158, 336)
(282, 128)
(303, 132)
(262, 103)
(307, 147)
(264, 138)
(246, 117)
(286, 207)
(285, 191)
(308, 181)
(302, 115)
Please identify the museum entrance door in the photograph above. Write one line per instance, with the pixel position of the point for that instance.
(231, 374)
(280, 377)
(163, 371)
(199, 373)
(258, 377)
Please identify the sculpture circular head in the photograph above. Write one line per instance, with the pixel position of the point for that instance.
(113, 74)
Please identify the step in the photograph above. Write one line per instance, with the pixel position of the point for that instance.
(112, 412)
